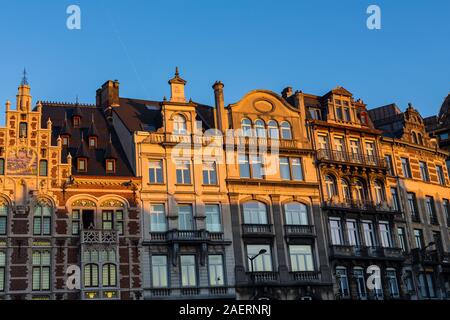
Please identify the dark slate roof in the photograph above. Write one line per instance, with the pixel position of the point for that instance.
(96, 157)
(145, 115)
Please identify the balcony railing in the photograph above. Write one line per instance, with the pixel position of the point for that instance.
(305, 276)
(368, 206)
(348, 251)
(352, 158)
(186, 235)
(257, 229)
(99, 237)
(263, 277)
(430, 257)
(299, 230)
(434, 220)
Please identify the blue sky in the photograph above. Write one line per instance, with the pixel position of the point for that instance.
(249, 44)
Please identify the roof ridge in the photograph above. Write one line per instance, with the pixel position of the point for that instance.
(65, 104)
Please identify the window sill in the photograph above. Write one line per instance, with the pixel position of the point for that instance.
(156, 184)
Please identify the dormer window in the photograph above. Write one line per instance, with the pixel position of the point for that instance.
(179, 124)
(82, 165)
(110, 166)
(65, 141)
(76, 121)
(23, 130)
(93, 142)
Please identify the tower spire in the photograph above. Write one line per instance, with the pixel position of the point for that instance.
(24, 81)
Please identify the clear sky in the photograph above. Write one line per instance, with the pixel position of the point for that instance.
(248, 44)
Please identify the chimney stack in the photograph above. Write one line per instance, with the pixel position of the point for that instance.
(108, 94)
(287, 92)
(222, 116)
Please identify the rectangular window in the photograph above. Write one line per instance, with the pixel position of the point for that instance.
(385, 233)
(446, 210)
(285, 171)
(426, 285)
(185, 217)
(41, 271)
(183, 169)
(391, 277)
(43, 168)
(188, 271)
(353, 234)
(3, 219)
(315, 114)
(160, 277)
(2, 167)
(119, 222)
(412, 206)
(430, 209)
(23, 130)
(347, 116)
(263, 262)
(76, 222)
(257, 167)
(213, 221)
(402, 239)
(424, 171)
(110, 166)
(107, 219)
(323, 142)
(82, 165)
(418, 238)
(158, 220)
(336, 231)
(440, 174)
(301, 258)
(42, 220)
(358, 274)
(297, 170)
(92, 142)
(216, 271)
(342, 278)
(155, 172)
(395, 199)
(389, 164)
(244, 166)
(209, 173)
(339, 114)
(2, 270)
(369, 234)
(406, 168)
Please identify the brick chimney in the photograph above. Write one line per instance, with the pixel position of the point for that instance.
(108, 94)
(221, 113)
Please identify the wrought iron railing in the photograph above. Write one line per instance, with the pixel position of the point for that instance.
(363, 205)
(349, 157)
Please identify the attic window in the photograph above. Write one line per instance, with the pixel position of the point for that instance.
(110, 166)
(82, 165)
(93, 142)
(76, 121)
(65, 141)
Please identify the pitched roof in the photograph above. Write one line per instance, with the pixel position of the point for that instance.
(96, 157)
(145, 115)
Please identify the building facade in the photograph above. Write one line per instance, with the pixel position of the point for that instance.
(418, 172)
(291, 197)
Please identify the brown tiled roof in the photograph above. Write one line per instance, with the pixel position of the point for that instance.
(96, 157)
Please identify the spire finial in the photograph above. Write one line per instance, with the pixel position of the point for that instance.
(110, 138)
(92, 116)
(77, 100)
(24, 78)
(177, 73)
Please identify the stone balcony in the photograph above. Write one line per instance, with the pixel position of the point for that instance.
(94, 237)
(356, 159)
(362, 252)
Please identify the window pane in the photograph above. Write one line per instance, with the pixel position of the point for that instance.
(188, 271)
(185, 218)
(158, 221)
(263, 262)
(285, 172)
(301, 258)
(296, 214)
(297, 171)
(255, 213)
(159, 272)
(213, 223)
(216, 272)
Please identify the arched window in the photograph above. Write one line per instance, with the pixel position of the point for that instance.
(246, 126)
(296, 214)
(274, 132)
(90, 275)
(360, 195)
(286, 132)
(23, 130)
(255, 213)
(414, 137)
(179, 124)
(42, 220)
(109, 275)
(3, 219)
(379, 192)
(330, 185)
(346, 190)
(260, 128)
